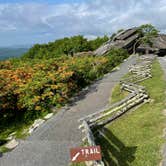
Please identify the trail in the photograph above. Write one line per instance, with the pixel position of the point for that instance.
(162, 61)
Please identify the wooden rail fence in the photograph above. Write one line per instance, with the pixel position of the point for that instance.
(138, 72)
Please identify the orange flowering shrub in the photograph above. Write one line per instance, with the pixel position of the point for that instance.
(38, 85)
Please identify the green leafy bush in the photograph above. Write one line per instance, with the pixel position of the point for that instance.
(116, 56)
(65, 46)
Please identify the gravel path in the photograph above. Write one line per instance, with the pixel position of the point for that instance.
(49, 145)
(162, 61)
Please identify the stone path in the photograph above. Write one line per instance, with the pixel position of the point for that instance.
(162, 61)
(49, 145)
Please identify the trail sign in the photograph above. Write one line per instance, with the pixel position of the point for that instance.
(81, 154)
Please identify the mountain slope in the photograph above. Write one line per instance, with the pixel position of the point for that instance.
(11, 52)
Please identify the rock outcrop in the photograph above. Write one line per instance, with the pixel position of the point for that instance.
(158, 46)
(124, 39)
(127, 39)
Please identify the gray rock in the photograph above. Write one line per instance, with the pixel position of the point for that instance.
(11, 144)
(48, 116)
(9, 137)
(125, 39)
(36, 124)
(158, 46)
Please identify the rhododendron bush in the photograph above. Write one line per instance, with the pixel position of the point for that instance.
(34, 86)
(49, 82)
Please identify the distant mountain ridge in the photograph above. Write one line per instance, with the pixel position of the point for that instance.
(9, 52)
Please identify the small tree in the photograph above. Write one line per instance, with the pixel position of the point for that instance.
(147, 33)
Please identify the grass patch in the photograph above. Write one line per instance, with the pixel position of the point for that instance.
(78, 164)
(118, 94)
(136, 138)
(15, 127)
(3, 149)
(19, 126)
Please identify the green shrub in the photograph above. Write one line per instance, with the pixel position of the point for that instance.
(30, 88)
(116, 56)
(48, 82)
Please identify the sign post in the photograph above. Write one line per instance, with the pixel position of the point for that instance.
(81, 154)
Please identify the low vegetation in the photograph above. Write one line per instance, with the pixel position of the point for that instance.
(118, 94)
(78, 164)
(148, 32)
(136, 138)
(65, 46)
(28, 88)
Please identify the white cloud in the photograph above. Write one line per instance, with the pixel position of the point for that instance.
(91, 18)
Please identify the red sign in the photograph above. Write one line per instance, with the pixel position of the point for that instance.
(85, 154)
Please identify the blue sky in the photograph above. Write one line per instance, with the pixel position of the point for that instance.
(40, 1)
(39, 21)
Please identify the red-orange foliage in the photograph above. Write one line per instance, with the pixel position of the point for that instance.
(49, 82)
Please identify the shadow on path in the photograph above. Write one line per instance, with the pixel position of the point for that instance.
(115, 153)
(83, 93)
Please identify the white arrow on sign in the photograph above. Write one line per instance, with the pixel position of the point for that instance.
(75, 157)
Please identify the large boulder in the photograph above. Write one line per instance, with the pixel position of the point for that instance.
(125, 39)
